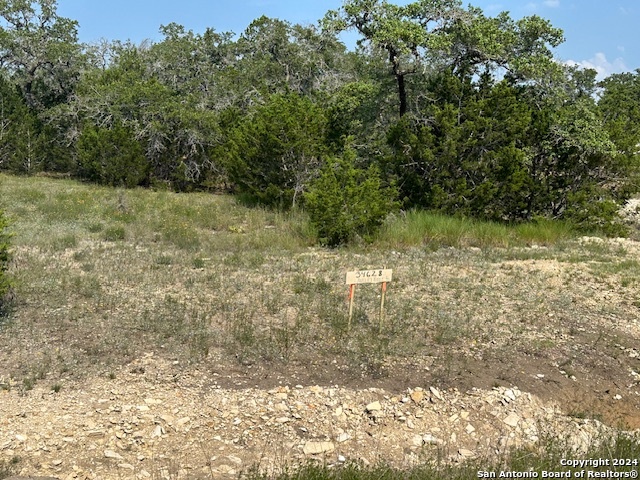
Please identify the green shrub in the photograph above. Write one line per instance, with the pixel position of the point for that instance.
(345, 201)
(5, 284)
(276, 149)
(111, 156)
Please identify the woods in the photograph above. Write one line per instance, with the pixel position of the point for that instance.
(439, 107)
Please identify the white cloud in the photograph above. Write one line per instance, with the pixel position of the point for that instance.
(547, 3)
(600, 64)
(494, 7)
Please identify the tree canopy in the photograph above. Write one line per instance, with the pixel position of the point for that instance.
(439, 107)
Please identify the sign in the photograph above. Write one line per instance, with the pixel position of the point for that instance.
(369, 276)
(381, 275)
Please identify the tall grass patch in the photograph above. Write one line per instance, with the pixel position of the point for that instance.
(420, 228)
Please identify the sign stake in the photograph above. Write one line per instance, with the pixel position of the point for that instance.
(384, 291)
(352, 293)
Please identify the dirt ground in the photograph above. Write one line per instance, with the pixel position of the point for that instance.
(544, 371)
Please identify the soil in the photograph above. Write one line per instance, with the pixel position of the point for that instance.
(155, 417)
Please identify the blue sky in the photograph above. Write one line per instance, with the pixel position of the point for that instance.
(599, 34)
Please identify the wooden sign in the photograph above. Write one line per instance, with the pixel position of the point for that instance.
(368, 276)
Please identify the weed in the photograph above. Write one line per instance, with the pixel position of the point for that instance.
(164, 260)
(95, 227)
(199, 263)
(28, 383)
(114, 233)
(9, 467)
(64, 242)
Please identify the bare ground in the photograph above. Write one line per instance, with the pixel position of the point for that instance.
(481, 351)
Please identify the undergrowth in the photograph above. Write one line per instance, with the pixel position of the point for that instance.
(546, 460)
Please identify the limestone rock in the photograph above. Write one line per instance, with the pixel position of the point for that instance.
(315, 448)
(113, 455)
(512, 419)
(374, 407)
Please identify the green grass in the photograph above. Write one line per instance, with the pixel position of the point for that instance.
(202, 276)
(436, 230)
(548, 457)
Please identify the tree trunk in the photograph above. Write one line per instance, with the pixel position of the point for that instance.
(402, 93)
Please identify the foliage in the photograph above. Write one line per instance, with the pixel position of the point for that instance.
(492, 150)
(39, 49)
(111, 157)
(5, 236)
(346, 201)
(22, 142)
(467, 114)
(276, 149)
(619, 107)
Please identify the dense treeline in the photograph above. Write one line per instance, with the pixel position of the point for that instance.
(439, 107)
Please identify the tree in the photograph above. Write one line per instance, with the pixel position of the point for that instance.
(436, 35)
(176, 131)
(275, 56)
(17, 131)
(619, 105)
(39, 49)
(521, 48)
(472, 158)
(277, 149)
(345, 202)
(405, 33)
(111, 156)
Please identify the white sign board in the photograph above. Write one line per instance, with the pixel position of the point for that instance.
(369, 276)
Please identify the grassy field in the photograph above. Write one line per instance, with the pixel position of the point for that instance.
(103, 276)
(203, 277)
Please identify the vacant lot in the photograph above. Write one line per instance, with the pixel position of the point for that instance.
(177, 309)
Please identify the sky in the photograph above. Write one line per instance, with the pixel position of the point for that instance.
(604, 35)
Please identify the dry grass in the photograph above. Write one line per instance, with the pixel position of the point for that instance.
(103, 276)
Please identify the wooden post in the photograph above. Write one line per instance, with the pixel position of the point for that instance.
(352, 292)
(384, 291)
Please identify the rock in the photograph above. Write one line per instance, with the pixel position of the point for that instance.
(183, 421)
(374, 407)
(465, 453)
(429, 439)
(436, 393)
(509, 395)
(113, 455)
(343, 437)
(315, 448)
(31, 478)
(470, 429)
(512, 419)
(417, 396)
